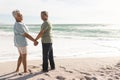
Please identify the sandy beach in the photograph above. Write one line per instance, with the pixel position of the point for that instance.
(66, 69)
(83, 37)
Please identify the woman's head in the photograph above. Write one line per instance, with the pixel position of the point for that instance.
(17, 15)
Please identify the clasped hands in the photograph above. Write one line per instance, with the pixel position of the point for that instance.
(36, 42)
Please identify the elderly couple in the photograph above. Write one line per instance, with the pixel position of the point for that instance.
(20, 35)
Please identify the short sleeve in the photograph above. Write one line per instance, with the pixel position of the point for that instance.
(21, 29)
(44, 26)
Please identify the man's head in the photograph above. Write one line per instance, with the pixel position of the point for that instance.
(17, 15)
(44, 15)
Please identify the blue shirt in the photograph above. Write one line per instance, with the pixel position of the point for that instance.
(19, 29)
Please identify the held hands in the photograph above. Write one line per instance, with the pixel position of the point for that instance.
(35, 43)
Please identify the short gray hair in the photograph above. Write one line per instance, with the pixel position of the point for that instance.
(44, 12)
(14, 13)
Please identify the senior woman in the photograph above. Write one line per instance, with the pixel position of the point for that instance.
(20, 41)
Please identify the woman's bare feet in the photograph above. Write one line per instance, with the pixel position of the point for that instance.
(25, 71)
(17, 71)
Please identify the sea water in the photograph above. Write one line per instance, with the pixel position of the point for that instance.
(69, 41)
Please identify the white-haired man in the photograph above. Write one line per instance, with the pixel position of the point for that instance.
(20, 35)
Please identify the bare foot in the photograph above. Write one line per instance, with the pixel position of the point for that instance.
(25, 71)
(17, 71)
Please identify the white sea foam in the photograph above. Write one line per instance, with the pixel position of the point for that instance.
(63, 48)
(89, 42)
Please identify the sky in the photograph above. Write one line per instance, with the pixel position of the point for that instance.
(62, 11)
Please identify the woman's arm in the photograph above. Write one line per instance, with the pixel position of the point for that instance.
(30, 37)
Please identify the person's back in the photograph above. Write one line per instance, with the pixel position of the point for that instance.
(47, 36)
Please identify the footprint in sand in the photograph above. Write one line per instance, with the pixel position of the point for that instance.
(60, 78)
(116, 77)
(30, 71)
(77, 79)
(100, 71)
(117, 65)
(102, 68)
(93, 78)
(87, 78)
(41, 79)
(82, 72)
(109, 68)
(62, 67)
(66, 69)
(118, 74)
(33, 67)
(90, 78)
(102, 74)
(109, 79)
(47, 75)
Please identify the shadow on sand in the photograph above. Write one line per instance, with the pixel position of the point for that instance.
(19, 77)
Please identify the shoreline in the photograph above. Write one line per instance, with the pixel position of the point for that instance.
(62, 57)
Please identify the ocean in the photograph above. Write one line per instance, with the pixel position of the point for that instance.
(75, 30)
(69, 40)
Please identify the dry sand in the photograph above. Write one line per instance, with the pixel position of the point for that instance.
(66, 69)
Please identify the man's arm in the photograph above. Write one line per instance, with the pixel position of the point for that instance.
(40, 34)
